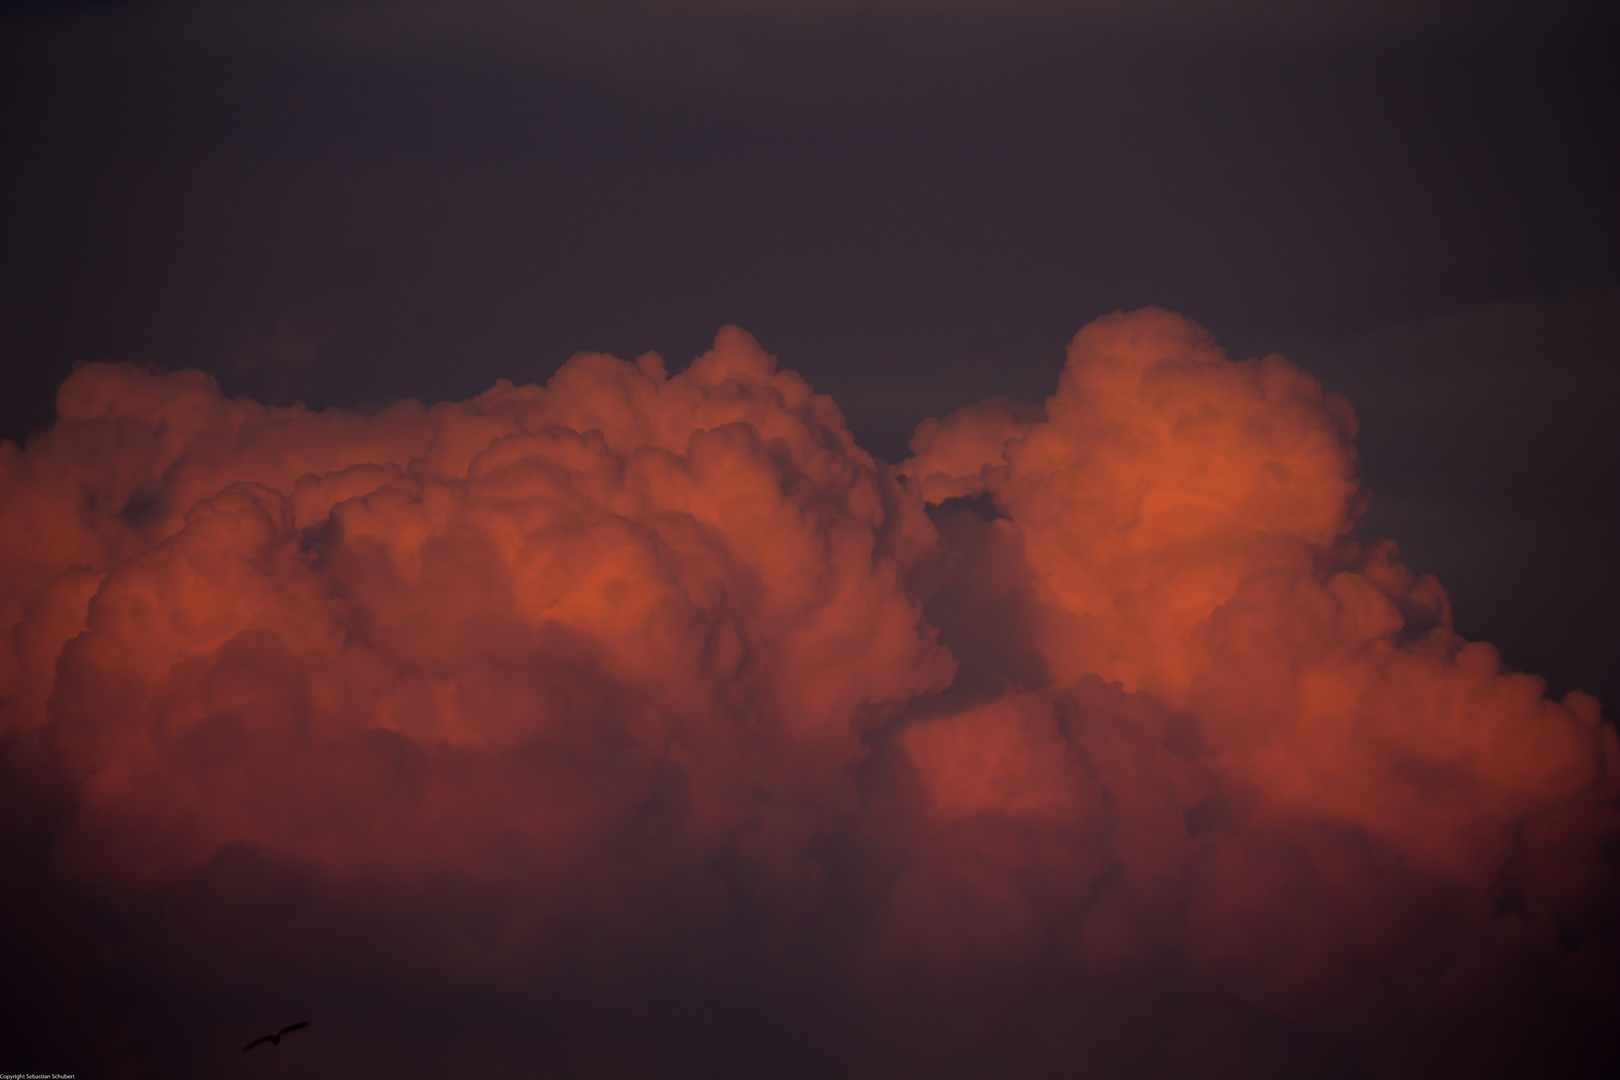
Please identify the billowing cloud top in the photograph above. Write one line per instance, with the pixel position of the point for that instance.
(1086, 707)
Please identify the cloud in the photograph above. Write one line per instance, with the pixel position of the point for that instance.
(1240, 737)
(1089, 737)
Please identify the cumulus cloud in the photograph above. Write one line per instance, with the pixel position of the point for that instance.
(1293, 764)
(1089, 738)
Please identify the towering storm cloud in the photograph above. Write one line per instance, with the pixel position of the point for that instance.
(643, 724)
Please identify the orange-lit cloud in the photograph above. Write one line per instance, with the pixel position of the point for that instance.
(634, 580)
(1268, 728)
(1097, 698)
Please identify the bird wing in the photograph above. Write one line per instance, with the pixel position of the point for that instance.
(256, 1042)
(292, 1027)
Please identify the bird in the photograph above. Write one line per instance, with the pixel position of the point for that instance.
(275, 1040)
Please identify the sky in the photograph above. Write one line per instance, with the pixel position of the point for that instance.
(879, 537)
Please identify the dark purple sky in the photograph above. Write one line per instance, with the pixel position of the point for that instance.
(915, 205)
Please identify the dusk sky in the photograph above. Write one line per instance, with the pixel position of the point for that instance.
(1017, 624)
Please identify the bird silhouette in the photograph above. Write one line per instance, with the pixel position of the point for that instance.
(275, 1040)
